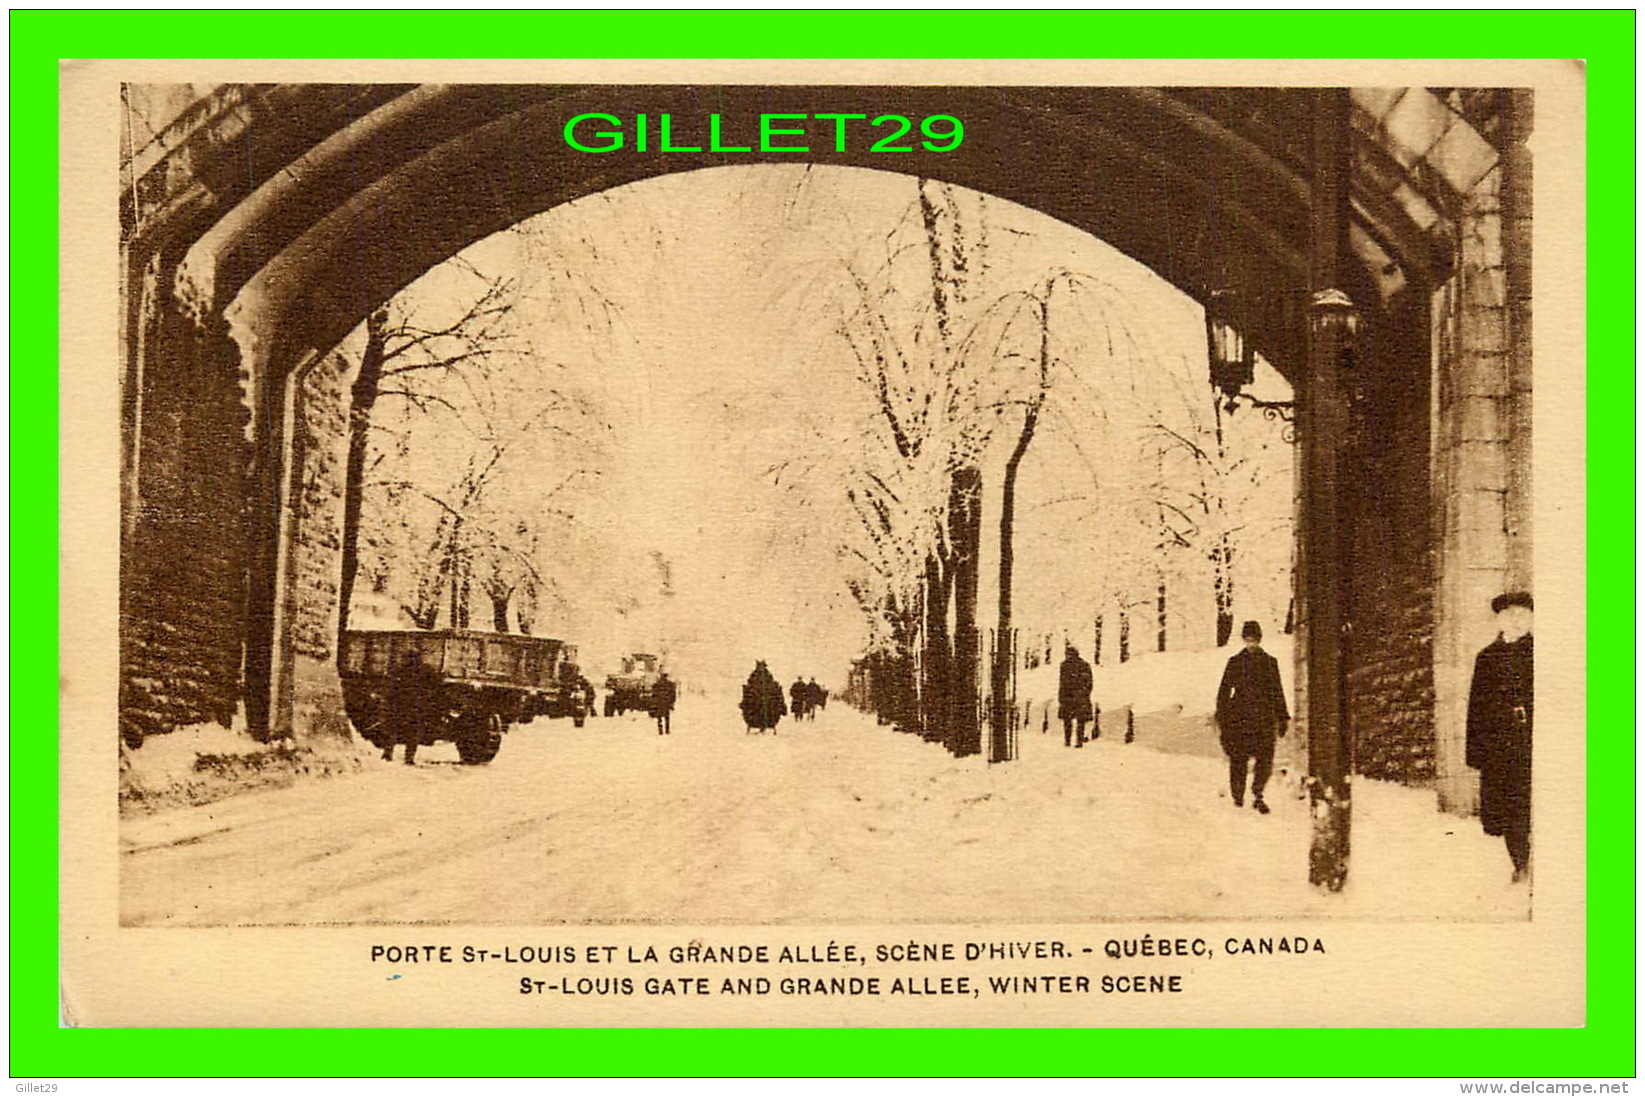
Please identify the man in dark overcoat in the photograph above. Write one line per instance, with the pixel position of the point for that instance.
(1251, 715)
(1074, 697)
(409, 703)
(663, 695)
(1500, 707)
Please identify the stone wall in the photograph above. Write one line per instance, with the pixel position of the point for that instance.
(186, 541)
(1388, 503)
(183, 561)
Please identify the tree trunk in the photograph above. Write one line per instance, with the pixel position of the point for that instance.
(1224, 591)
(901, 687)
(1000, 675)
(944, 275)
(1161, 608)
(1004, 655)
(936, 651)
(499, 610)
(1222, 553)
(525, 606)
(965, 524)
(364, 398)
(465, 592)
(453, 571)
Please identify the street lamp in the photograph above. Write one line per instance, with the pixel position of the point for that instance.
(1233, 361)
(1331, 310)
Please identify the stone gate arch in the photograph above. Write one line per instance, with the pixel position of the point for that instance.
(262, 223)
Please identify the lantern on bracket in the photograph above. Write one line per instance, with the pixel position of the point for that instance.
(1232, 358)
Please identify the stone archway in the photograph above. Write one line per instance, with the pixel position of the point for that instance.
(263, 223)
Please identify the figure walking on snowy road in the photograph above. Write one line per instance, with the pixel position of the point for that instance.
(1251, 714)
(798, 699)
(1074, 697)
(409, 696)
(663, 695)
(1500, 703)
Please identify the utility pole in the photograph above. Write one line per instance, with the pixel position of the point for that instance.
(1325, 428)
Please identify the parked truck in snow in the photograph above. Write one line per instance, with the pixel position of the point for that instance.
(630, 691)
(482, 684)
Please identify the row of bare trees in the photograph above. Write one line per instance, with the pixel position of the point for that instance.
(949, 361)
(964, 359)
(470, 456)
(466, 451)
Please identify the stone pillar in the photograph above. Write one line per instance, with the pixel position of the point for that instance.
(316, 568)
(275, 394)
(1481, 457)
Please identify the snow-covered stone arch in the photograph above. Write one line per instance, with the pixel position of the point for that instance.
(264, 222)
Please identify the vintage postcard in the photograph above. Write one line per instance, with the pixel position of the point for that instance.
(575, 543)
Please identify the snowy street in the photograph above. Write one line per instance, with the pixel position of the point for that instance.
(836, 820)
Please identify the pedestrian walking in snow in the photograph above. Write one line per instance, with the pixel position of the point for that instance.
(1074, 697)
(1251, 714)
(1500, 707)
(585, 690)
(762, 703)
(663, 695)
(816, 697)
(410, 695)
(799, 699)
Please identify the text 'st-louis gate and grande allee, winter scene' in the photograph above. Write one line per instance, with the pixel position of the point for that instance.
(780, 504)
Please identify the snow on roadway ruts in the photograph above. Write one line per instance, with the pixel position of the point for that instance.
(833, 821)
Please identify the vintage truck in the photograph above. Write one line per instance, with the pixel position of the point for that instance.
(630, 691)
(483, 683)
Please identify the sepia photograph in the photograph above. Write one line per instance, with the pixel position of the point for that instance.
(837, 544)
(737, 505)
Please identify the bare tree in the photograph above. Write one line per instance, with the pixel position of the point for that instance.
(451, 367)
(1117, 343)
(398, 347)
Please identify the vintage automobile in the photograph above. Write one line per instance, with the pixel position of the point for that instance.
(630, 691)
(483, 683)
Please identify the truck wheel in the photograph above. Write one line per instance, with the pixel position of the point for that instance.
(480, 740)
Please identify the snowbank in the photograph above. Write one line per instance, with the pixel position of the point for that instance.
(207, 762)
(1184, 681)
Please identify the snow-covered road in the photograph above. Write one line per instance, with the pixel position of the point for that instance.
(832, 821)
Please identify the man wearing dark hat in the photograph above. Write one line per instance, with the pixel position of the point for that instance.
(1251, 714)
(1074, 697)
(1500, 704)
